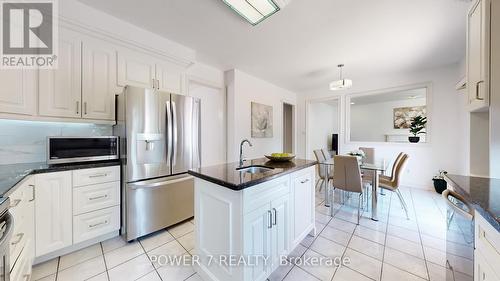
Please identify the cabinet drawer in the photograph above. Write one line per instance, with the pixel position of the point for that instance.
(94, 197)
(487, 240)
(96, 175)
(21, 268)
(94, 224)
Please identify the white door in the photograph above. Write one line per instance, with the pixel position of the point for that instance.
(303, 206)
(136, 70)
(280, 240)
(170, 78)
(53, 213)
(98, 80)
(18, 92)
(257, 241)
(213, 122)
(60, 89)
(478, 59)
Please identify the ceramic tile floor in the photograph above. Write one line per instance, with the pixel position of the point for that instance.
(391, 249)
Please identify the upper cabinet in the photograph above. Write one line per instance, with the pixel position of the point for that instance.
(145, 71)
(478, 56)
(18, 92)
(99, 85)
(60, 89)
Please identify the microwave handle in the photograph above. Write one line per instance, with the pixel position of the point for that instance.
(449, 193)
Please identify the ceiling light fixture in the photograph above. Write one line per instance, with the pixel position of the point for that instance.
(255, 11)
(341, 83)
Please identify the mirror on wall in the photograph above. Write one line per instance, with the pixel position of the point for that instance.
(387, 116)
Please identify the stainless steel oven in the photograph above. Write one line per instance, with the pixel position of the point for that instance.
(81, 149)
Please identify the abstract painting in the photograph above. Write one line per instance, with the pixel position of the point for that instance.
(262, 120)
(404, 115)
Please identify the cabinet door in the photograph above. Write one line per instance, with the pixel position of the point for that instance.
(53, 213)
(170, 78)
(303, 206)
(478, 59)
(257, 241)
(482, 269)
(18, 92)
(98, 80)
(280, 233)
(60, 89)
(136, 70)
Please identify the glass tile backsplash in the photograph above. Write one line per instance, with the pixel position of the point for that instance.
(26, 141)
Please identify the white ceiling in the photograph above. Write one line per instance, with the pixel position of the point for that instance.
(299, 47)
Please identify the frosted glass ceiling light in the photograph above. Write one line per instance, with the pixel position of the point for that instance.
(254, 11)
(341, 83)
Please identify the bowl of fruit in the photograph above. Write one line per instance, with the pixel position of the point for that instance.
(280, 157)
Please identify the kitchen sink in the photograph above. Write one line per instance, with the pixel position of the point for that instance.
(254, 169)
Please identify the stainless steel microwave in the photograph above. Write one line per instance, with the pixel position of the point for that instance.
(81, 149)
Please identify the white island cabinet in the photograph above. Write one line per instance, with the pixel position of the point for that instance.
(242, 235)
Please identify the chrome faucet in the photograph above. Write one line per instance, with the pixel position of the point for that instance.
(241, 150)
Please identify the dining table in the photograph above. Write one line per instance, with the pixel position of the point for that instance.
(375, 169)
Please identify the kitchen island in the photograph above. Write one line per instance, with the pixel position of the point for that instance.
(247, 218)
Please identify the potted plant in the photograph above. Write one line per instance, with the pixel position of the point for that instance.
(360, 154)
(417, 127)
(440, 184)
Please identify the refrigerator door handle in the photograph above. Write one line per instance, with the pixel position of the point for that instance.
(149, 184)
(169, 132)
(174, 132)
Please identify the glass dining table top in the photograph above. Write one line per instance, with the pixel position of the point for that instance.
(364, 166)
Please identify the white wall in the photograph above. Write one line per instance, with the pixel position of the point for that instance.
(323, 123)
(447, 147)
(242, 89)
(372, 122)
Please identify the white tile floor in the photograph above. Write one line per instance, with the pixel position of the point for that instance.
(391, 249)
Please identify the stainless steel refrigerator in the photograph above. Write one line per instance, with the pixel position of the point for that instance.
(160, 141)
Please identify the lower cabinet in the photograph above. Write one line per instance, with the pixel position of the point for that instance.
(303, 198)
(487, 250)
(53, 212)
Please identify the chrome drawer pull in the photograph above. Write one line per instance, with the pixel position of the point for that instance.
(98, 197)
(32, 193)
(97, 224)
(20, 235)
(98, 176)
(15, 203)
(304, 181)
(275, 215)
(270, 219)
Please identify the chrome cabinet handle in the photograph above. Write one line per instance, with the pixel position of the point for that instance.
(304, 181)
(153, 83)
(477, 90)
(77, 107)
(85, 108)
(275, 215)
(27, 277)
(15, 203)
(98, 175)
(98, 197)
(97, 224)
(20, 235)
(270, 219)
(32, 193)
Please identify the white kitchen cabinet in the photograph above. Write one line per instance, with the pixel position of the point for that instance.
(136, 70)
(53, 212)
(487, 250)
(19, 91)
(280, 230)
(99, 85)
(145, 71)
(60, 89)
(302, 197)
(257, 242)
(478, 56)
(483, 271)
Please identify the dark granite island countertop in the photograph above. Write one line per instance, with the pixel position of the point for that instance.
(482, 193)
(226, 174)
(12, 174)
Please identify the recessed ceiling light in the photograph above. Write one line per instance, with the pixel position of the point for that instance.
(353, 102)
(255, 11)
(341, 83)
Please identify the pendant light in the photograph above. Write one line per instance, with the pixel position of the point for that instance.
(342, 83)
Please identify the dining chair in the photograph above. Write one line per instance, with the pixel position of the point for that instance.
(320, 157)
(369, 154)
(394, 165)
(326, 153)
(348, 176)
(393, 183)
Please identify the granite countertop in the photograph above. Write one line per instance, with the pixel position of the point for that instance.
(482, 193)
(226, 174)
(12, 174)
